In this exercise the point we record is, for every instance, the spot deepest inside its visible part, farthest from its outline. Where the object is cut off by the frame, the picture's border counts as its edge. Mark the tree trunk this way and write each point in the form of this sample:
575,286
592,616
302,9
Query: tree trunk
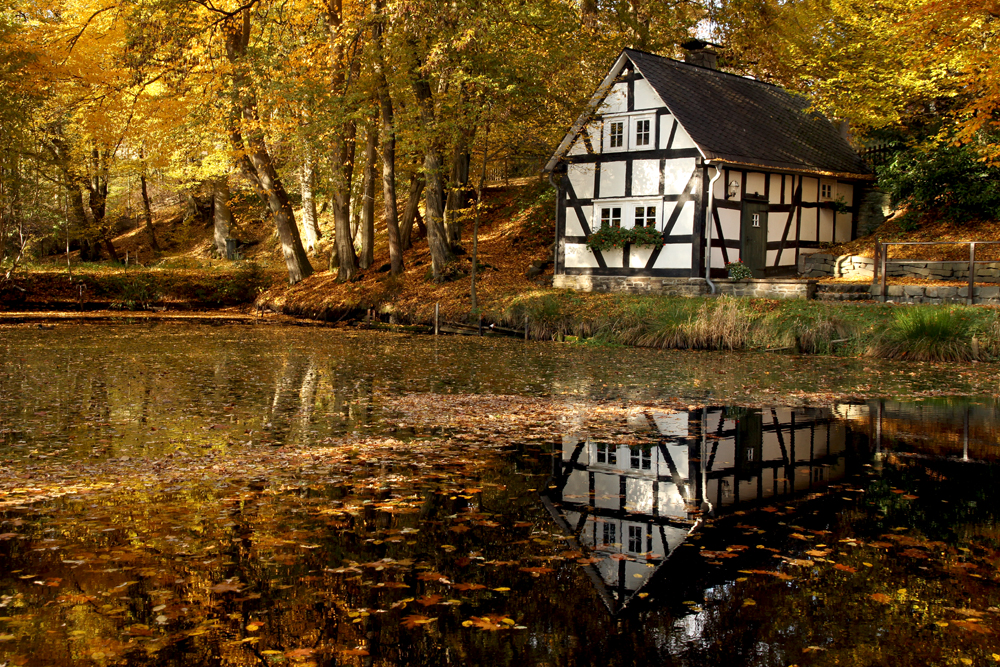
458,193
388,163
343,176
147,212
307,181
437,240
255,160
367,255
222,216
410,212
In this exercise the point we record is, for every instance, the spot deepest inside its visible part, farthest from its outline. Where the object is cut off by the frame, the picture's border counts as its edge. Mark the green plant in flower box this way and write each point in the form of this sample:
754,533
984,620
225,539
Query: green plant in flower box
608,237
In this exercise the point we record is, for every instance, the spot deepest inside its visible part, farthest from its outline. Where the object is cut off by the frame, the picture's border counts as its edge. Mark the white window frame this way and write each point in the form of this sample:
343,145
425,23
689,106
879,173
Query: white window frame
633,138
830,186
628,206
606,142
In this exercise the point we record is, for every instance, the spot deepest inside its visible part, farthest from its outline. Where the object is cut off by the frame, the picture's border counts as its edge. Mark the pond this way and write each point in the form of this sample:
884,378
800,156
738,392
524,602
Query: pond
236,495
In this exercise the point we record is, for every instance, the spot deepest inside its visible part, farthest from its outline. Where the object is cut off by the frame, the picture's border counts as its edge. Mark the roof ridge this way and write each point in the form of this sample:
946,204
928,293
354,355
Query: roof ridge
711,69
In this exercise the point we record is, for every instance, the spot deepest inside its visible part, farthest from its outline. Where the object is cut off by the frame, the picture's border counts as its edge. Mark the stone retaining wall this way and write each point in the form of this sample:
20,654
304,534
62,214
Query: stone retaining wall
984,295
767,288
821,265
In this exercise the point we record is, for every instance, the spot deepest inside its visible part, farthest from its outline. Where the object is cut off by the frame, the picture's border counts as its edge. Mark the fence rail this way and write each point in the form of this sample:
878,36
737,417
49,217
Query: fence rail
882,254
501,170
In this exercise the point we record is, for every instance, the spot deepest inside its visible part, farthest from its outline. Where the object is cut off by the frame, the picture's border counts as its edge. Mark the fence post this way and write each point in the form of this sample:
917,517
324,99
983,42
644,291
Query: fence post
525,327
875,273
437,313
885,251
972,273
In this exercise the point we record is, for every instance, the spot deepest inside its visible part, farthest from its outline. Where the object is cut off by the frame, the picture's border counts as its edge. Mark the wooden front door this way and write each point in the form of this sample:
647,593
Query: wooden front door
753,237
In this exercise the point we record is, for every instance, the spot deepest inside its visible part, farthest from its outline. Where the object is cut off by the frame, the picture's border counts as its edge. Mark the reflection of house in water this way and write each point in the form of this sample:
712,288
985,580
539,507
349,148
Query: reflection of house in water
629,503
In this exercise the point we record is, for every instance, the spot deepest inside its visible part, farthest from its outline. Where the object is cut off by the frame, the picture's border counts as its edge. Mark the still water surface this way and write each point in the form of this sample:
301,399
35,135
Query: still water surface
255,496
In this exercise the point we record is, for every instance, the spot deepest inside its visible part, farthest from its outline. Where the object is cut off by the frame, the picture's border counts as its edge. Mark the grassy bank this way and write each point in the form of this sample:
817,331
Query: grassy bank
923,333
101,286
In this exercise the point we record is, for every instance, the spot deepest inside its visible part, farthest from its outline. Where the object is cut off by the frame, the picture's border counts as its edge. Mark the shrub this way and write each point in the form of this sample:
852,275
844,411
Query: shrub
926,334
950,180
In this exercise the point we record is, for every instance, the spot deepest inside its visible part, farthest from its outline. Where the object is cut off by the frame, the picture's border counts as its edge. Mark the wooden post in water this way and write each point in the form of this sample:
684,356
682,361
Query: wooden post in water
972,273
525,327
480,325
885,251
437,313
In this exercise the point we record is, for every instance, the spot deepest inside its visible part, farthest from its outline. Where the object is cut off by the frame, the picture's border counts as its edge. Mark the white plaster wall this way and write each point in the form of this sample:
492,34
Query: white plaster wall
807,229
612,179
594,130
843,232
578,147
676,174
616,100
645,96
825,224
844,191
755,183
776,226
613,260
717,259
775,193
573,226
637,257
682,139
674,256
787,257
685,221
645,178
581,176
771,255
730,221
789,188
810,189
579,256
666,122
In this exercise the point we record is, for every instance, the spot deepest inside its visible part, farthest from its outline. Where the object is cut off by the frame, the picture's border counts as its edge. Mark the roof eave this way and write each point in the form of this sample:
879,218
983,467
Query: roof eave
588,114
846,175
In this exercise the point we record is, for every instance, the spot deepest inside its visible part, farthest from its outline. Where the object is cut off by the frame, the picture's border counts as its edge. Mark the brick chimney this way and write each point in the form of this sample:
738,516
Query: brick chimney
701,53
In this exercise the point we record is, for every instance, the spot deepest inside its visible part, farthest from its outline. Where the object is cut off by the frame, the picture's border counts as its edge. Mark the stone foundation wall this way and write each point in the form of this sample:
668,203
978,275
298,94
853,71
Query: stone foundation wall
985,295
820,265
768,288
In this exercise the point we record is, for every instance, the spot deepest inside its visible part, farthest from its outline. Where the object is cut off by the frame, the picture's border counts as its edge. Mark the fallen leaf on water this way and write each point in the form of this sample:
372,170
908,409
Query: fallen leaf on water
881,597
225,588
354,651
535,571
845,568
467,587
429,600
413,620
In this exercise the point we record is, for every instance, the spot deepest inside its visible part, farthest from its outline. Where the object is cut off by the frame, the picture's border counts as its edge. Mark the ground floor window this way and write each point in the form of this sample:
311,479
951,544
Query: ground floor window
628,214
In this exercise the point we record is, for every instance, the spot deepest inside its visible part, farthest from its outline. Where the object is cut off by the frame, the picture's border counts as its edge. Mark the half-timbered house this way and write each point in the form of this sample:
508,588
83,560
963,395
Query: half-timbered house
709,159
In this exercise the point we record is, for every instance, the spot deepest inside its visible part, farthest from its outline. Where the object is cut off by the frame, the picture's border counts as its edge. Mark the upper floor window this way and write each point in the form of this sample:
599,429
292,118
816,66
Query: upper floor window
642,132
640,458
616,134
635,535
826,191
611,216
607,453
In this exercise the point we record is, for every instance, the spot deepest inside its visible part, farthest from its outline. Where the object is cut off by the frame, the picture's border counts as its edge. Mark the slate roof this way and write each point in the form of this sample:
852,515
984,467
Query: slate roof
742,121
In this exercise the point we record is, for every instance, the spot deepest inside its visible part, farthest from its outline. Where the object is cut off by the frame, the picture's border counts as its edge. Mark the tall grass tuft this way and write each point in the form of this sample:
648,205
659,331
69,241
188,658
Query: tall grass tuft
926,334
